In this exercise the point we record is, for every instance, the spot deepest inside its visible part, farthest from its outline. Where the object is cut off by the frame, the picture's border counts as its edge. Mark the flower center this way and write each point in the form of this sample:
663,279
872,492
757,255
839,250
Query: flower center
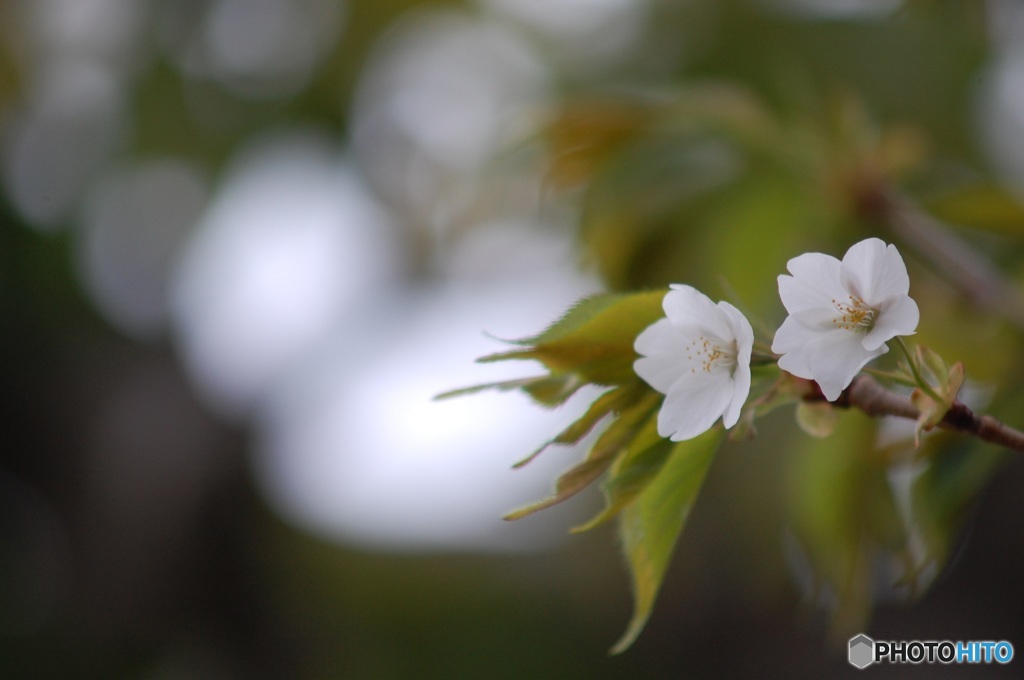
854,315
707,353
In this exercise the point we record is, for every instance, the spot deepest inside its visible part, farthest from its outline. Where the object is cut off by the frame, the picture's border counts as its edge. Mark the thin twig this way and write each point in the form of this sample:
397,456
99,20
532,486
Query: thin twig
866,394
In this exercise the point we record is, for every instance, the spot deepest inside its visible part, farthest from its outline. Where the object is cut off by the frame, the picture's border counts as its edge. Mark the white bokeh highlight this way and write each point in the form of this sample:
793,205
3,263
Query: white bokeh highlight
133,225
1000,114
291,241
55,142
442,96
355,447
255,49
579,35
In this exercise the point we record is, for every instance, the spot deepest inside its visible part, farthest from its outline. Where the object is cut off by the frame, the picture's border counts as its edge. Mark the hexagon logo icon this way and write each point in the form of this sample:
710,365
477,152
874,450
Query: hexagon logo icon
862,651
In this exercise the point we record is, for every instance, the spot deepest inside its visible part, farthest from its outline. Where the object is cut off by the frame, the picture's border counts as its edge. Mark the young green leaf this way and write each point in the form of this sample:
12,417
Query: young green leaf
614,400
547,390
608,446
632,472
650,525
594,339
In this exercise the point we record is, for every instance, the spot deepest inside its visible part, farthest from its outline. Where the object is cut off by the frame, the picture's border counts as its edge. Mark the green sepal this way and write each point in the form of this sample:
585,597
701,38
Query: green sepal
932,411
929,361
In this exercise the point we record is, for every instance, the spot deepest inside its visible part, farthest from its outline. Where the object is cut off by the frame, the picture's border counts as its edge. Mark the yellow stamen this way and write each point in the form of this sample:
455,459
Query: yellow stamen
854,314
710,353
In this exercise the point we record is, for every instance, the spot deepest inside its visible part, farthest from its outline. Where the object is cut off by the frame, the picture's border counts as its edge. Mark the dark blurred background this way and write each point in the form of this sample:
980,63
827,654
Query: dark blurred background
243,243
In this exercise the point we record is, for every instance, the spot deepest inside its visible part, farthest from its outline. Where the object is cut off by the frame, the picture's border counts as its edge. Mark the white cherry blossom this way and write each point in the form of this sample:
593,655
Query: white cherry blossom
699,358
841,314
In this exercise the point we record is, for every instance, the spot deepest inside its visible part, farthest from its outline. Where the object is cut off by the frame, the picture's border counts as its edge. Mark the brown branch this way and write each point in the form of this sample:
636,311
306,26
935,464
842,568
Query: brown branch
977,278
866,394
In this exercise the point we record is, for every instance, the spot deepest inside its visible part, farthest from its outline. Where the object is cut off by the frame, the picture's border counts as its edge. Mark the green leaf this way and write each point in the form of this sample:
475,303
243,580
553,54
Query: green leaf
609,318
553,390
613,401
594,339
609,445
549,390
632,472
650,525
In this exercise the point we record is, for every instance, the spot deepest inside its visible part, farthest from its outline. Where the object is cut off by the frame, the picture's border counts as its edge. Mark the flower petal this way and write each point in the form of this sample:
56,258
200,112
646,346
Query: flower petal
899,316
693,404
790,340
693,313
744,336
815,282
740,392
796,363
874,271
821,319
739,330
835,358
663,360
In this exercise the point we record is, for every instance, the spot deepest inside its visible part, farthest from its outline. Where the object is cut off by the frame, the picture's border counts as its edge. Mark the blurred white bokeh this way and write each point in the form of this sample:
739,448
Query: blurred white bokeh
580,35
133,225
442,98
79,59
257,49
303,303
356,447
95,30
291,312
290,242
59,138
1000,114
